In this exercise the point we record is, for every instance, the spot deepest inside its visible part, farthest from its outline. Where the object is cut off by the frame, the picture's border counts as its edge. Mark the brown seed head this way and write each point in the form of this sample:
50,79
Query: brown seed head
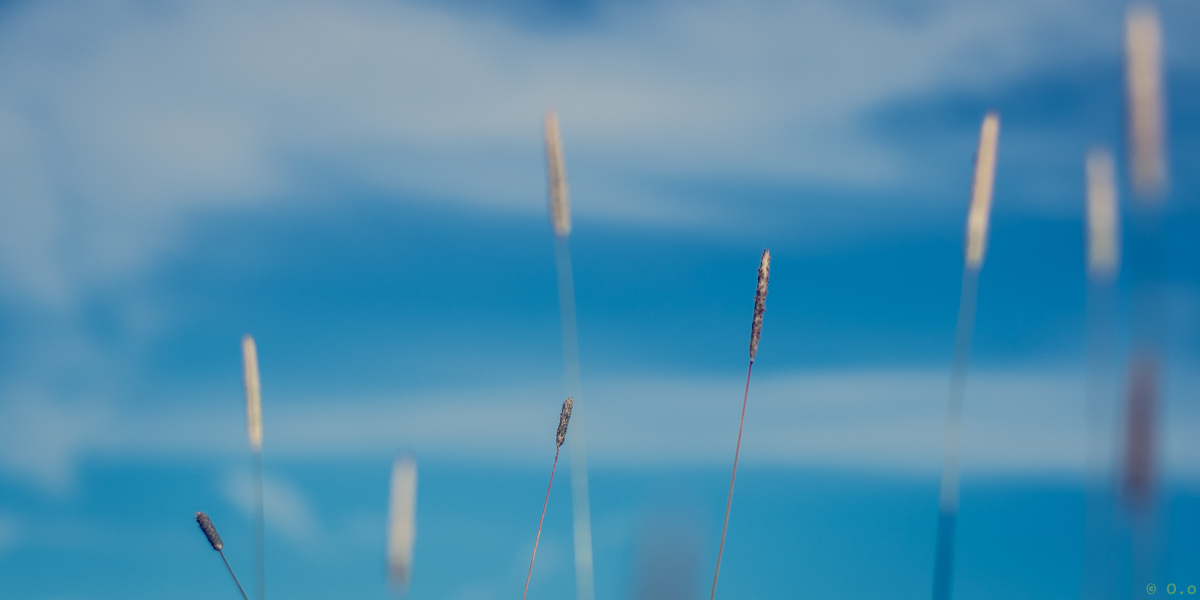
209,531
760,301
563,419
1140,432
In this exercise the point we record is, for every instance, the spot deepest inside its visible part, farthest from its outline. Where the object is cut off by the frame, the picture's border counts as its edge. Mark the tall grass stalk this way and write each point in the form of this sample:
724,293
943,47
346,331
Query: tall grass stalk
760,306
254,433
1145,103
975,248
563,419
214,539
1103,250
560,218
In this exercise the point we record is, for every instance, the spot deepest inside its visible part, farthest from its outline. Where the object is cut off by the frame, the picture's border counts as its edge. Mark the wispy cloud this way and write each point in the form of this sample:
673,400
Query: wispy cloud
42,438
887,420
284,505
119,121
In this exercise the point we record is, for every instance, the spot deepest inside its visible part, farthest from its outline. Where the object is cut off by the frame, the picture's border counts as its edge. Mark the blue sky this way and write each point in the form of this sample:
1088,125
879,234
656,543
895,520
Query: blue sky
360,185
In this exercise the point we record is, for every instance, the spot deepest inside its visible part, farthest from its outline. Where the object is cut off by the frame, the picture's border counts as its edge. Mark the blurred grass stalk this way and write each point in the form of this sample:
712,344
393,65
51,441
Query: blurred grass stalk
1103,251
402,521
1146,114
760,307
978,218
560,218
254,432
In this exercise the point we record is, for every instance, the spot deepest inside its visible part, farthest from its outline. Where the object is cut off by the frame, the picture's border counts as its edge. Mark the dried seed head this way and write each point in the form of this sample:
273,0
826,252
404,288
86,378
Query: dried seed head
1144,89
209,531
563,419
402,520
253,393
560,204
760,302
1103,227
1140,432
981,191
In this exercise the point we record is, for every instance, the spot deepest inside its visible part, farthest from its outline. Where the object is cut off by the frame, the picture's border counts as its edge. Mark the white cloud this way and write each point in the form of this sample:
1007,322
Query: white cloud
119,121
41,439
285,506
885,420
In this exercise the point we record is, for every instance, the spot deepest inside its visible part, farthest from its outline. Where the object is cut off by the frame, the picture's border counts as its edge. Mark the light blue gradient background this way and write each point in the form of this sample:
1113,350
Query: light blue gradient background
360,185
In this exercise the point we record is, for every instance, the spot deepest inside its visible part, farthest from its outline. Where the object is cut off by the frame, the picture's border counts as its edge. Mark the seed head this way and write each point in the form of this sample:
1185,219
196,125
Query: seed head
1147,111
210,532
563,419
760,302
1103,220
402,522
253,393
560,204
981,191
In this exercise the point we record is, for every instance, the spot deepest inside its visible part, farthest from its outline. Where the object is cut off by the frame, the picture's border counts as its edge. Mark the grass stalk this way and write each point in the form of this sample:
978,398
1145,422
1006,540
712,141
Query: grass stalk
1146,111
760,307
1103,263
563,419
214,539
560,218
975,248
254,433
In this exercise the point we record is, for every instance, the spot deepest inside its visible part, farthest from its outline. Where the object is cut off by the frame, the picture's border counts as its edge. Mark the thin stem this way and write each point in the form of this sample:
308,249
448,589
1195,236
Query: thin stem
1098,564
580,512
729,502
235,579
943,562
543,520
260,561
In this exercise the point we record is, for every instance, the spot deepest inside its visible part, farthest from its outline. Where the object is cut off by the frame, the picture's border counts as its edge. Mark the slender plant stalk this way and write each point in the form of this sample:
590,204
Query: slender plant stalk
560,219
943,569
214,539
1147,152
540,522
1146,111
760,307
235,579
260,560
254,433
563,419
732,478
978,218
1103,263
